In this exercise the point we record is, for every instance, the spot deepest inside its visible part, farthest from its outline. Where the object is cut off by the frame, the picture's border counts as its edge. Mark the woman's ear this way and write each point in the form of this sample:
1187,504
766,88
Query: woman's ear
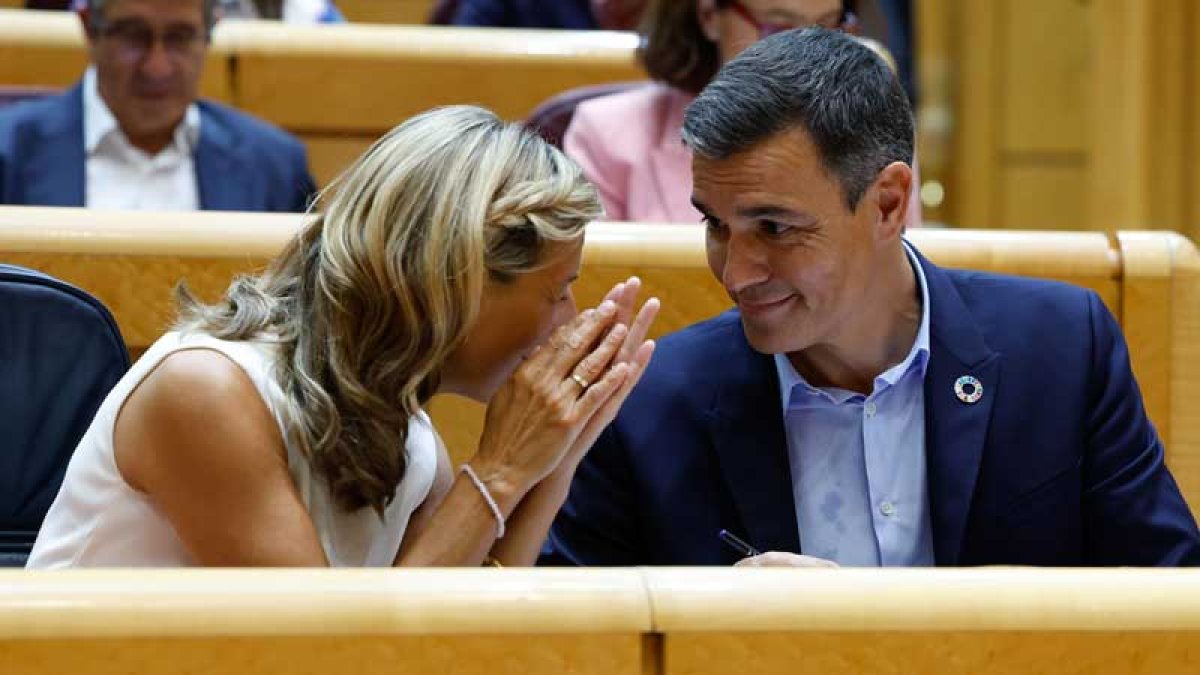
709,18
892,189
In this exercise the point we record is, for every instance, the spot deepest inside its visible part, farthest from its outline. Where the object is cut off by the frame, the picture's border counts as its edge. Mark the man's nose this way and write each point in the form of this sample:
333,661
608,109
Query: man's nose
745,264
157,61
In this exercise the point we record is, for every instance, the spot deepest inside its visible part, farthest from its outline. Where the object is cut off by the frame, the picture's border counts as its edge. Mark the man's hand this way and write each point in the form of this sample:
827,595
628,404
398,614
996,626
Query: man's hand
781,559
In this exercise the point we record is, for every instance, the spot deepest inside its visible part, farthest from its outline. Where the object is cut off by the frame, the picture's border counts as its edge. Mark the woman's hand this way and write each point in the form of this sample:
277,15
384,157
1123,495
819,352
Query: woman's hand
635,352
539,413
528,525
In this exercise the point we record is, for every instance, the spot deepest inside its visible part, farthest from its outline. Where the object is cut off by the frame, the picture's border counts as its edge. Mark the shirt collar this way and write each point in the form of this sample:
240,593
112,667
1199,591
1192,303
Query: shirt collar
917,358
98,120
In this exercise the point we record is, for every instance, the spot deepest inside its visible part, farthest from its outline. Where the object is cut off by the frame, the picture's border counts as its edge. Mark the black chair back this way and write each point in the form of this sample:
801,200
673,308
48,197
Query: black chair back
60,354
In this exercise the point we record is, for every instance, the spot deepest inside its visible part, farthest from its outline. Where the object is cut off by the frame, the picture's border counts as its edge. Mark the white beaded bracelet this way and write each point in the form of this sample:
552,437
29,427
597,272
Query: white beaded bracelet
487,497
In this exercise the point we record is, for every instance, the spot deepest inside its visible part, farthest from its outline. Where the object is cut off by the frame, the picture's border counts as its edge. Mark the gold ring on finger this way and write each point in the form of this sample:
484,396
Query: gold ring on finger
580,381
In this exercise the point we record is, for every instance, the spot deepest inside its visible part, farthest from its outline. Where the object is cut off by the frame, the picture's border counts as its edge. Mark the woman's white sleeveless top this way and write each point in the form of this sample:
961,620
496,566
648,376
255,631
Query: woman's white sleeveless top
98,520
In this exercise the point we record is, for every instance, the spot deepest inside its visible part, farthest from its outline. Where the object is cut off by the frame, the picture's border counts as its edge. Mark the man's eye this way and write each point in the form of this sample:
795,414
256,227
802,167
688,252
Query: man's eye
180,38
713,224
773,228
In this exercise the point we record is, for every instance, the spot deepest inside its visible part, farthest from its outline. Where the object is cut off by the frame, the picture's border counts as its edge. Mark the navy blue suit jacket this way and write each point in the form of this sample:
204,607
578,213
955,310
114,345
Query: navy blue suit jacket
570,14
1057,464
242,163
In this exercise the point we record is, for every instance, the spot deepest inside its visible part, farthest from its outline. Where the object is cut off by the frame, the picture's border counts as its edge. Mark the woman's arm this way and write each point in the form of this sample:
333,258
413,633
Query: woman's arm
196,437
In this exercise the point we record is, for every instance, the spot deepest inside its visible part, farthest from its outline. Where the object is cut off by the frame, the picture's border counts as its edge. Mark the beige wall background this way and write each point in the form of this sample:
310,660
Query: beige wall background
1067,114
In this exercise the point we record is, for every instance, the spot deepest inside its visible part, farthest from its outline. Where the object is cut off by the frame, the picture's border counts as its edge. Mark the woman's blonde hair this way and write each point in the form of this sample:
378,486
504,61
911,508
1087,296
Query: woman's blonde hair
385,282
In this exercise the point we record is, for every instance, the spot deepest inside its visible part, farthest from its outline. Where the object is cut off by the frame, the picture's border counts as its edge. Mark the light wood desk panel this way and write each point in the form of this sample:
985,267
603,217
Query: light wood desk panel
632,621
366,79
998,620
1150,281
386,11
250,622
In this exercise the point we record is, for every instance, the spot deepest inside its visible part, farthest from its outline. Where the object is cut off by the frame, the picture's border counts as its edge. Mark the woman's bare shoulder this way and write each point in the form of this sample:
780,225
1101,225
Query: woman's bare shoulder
195,401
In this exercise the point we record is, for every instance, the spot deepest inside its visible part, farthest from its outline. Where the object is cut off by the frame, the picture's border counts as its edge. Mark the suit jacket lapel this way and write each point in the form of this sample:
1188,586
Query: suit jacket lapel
54,173
220,177
955,431
747,432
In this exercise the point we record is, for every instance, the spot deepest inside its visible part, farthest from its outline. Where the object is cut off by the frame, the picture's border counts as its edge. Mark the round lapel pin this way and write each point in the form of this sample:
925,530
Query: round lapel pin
968,389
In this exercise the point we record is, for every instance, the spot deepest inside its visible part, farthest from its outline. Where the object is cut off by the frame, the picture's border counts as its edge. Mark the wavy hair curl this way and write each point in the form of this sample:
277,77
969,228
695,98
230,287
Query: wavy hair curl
385,282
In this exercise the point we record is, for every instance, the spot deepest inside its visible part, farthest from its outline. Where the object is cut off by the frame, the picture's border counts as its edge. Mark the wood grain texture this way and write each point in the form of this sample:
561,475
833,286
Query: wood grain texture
648,621
1045,58
997,620
1039,197
367,79
992,653
82,603
720,600
1183,452
331,154
1139,114
975,202
322,655
1147,317
386,11
1161,321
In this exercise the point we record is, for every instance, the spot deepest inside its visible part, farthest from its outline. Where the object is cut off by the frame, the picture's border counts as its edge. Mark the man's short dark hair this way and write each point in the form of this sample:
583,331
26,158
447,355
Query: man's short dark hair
96,12
841,93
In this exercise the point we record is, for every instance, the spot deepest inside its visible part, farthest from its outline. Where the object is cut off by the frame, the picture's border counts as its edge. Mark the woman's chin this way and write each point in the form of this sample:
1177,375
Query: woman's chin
483,392
482,387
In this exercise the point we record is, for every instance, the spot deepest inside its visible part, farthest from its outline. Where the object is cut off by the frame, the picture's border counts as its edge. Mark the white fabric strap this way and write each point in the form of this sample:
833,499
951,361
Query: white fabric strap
487,497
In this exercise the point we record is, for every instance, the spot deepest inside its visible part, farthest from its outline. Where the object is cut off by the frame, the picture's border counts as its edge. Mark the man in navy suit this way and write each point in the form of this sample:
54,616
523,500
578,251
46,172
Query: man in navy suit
860,405
132,134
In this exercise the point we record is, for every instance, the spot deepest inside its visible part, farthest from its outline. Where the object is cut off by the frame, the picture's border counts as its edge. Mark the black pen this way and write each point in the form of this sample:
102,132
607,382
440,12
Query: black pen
744,549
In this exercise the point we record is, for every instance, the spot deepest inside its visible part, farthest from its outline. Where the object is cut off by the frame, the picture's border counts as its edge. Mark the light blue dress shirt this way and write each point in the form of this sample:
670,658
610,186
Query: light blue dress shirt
858,463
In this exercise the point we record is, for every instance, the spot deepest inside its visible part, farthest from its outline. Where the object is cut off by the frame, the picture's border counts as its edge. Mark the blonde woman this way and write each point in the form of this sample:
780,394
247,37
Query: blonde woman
284,425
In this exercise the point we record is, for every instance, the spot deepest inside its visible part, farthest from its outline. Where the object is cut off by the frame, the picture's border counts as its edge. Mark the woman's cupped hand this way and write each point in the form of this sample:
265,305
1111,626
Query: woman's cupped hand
559,400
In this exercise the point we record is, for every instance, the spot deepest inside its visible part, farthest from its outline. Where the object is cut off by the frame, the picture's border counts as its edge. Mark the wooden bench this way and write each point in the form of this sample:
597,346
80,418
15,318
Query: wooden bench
983,621
340,87
1150,281
386,11
662,621
322,622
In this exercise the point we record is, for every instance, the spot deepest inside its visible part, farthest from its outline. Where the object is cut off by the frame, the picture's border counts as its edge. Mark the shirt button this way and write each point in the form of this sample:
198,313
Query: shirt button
870,409
887,508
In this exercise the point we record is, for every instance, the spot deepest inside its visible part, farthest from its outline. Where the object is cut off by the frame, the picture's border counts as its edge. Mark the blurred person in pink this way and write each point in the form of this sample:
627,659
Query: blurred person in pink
629,142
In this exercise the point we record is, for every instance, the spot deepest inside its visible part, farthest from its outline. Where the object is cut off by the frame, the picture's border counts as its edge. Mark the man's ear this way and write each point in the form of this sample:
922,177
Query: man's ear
708,18
892,189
